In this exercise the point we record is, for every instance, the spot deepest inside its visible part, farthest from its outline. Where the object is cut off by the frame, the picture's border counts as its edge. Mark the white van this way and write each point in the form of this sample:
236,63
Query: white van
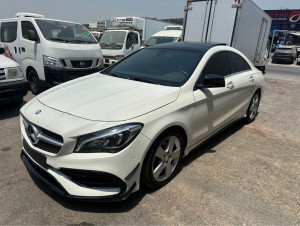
170,34
49,51
119,43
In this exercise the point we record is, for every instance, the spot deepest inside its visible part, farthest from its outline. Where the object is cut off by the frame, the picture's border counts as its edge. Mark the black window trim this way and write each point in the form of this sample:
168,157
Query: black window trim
227,76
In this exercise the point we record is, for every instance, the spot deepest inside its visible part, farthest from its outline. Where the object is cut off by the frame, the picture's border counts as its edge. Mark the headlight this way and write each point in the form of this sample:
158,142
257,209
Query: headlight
14,73
52,62
120,57
110,140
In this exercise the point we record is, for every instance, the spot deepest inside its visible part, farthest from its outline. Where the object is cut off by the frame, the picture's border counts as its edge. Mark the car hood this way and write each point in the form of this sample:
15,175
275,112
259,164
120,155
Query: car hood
105,98
6,62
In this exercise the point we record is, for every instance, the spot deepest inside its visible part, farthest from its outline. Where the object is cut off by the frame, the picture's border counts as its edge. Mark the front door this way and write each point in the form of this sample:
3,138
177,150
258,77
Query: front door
214,107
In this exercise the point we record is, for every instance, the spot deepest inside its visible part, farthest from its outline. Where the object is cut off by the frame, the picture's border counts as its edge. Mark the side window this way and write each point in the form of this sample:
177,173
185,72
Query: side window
238,63
26,26
218,64
135,38
9,31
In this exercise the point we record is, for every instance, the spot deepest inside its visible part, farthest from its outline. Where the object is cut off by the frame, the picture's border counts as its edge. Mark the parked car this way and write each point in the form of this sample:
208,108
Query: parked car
102,136
97,35
169,34
285,54
49,51
13,86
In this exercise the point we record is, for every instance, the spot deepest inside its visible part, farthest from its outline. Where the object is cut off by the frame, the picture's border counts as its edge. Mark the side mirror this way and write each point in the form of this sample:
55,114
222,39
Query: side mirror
2,50
32,36
212,81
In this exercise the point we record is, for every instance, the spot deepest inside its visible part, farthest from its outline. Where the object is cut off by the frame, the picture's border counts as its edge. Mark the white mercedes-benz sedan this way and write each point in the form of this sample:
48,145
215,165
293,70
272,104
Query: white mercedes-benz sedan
102,136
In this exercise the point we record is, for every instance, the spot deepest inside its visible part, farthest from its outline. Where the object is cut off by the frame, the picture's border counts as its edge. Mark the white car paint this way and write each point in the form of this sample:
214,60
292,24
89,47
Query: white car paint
6,62
98,102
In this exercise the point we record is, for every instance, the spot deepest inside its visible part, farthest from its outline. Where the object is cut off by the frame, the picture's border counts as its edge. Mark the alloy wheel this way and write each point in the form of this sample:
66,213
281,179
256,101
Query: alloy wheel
166,158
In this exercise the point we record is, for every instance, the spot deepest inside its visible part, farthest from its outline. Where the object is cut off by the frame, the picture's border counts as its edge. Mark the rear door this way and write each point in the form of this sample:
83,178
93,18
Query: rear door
10,39
196,20
221,21
244,82
210,21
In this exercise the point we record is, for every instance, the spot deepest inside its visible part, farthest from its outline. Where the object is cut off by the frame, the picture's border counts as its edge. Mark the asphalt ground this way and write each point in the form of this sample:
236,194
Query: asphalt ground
248,174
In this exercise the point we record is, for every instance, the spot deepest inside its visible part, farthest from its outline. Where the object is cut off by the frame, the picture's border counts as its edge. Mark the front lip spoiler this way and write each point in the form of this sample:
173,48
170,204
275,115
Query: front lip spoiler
58,189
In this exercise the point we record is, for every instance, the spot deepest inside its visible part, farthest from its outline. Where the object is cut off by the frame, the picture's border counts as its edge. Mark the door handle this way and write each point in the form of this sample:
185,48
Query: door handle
23,49
230,85
251,78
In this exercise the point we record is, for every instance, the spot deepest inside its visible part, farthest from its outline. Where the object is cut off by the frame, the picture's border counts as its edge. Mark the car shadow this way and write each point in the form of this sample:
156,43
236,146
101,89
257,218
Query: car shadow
135,198
10,110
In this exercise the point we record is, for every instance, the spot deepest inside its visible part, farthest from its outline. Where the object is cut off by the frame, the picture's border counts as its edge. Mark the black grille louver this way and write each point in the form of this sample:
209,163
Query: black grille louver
81,63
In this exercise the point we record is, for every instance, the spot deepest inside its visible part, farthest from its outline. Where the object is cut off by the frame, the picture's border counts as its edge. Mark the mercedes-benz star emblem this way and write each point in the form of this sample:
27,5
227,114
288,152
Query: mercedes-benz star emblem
82,64
33,134
38,112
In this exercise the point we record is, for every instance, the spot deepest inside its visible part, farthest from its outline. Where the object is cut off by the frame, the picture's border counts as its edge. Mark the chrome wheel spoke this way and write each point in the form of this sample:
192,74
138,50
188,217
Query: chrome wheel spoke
171,144
168,169
160,153
158,170
175,154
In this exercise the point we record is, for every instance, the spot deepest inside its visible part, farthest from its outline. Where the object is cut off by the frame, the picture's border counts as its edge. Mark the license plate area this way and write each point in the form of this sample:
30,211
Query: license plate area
36,156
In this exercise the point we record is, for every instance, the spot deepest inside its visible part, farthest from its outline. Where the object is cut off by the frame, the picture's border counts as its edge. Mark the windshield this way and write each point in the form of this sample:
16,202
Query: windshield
159,40
169,67
112,40
58,31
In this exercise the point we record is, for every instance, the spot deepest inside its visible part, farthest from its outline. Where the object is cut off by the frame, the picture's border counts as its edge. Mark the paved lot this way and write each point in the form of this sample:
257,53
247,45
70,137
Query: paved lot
249,174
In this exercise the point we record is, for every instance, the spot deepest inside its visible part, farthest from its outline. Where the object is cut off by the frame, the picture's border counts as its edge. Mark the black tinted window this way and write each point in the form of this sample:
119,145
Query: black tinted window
218,64
9,31
135,38
26,26
238,63
170,67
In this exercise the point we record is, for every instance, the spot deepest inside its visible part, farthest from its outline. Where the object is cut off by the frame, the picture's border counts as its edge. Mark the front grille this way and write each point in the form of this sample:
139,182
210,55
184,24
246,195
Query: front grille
2,74
81,63
42,138
48,147
52,135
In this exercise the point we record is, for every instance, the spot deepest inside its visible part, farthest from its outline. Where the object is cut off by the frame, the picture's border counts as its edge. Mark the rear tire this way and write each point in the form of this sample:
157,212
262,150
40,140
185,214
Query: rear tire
163,160
253,108
34,82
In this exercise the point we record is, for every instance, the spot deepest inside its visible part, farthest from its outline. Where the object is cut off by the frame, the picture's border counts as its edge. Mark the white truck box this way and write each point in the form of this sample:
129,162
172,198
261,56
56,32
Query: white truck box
238,23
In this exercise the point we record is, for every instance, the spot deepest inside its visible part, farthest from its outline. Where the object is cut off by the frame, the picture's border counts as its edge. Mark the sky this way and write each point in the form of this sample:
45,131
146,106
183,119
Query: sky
83,11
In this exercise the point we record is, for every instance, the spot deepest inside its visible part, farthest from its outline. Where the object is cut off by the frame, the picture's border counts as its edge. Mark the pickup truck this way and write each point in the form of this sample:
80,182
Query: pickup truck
13,86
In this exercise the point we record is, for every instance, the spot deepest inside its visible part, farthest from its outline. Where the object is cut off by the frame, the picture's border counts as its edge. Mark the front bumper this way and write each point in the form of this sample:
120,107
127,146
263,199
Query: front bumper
51,182
117,174
109,61
12,91
56,76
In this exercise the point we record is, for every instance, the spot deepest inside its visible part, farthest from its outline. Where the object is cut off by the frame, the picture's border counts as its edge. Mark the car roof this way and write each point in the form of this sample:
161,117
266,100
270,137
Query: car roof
194,46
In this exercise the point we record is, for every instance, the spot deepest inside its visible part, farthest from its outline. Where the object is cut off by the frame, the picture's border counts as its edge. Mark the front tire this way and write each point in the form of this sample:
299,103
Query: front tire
163,160
34,82
253,108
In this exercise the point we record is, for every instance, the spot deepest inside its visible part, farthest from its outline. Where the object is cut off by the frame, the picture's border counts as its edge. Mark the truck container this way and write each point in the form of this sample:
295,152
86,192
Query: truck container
238,23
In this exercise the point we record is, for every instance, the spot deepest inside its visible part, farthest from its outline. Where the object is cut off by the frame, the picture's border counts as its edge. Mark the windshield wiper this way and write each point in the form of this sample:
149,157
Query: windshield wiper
59,39
117,76
80,41
143,80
